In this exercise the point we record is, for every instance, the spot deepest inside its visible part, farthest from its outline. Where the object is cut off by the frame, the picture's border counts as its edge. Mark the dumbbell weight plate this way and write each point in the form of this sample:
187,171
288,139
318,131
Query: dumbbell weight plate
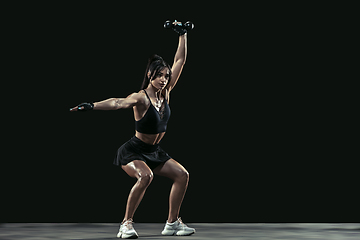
189,25
167,24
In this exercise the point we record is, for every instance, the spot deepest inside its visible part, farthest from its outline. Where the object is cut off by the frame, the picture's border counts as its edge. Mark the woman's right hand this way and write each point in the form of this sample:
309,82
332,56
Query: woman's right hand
75,109
83,107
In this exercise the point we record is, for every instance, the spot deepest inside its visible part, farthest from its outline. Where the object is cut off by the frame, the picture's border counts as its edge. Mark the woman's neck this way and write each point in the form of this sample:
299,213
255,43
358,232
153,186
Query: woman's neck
154,91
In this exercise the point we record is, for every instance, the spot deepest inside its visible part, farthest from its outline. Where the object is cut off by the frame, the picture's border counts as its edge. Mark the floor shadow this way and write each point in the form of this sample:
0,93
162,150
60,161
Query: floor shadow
150,236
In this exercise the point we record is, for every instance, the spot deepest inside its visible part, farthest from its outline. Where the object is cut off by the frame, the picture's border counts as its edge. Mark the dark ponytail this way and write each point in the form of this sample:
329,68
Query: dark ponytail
155,65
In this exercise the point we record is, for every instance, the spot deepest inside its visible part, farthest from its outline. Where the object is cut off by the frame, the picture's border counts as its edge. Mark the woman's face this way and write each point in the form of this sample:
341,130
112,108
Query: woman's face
161,79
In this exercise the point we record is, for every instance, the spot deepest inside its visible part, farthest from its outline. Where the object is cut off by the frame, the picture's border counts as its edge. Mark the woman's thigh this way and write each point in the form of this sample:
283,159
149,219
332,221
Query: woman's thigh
171,169
137,169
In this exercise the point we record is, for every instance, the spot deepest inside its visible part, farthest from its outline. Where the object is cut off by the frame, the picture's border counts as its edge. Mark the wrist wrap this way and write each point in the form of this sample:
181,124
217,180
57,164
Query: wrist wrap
87,106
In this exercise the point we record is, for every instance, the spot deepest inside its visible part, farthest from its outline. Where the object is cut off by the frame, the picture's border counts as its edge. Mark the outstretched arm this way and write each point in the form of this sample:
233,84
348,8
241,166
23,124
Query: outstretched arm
115,103
179,61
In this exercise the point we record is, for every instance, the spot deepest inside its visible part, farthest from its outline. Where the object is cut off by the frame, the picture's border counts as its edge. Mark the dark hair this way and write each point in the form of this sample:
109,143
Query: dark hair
155,65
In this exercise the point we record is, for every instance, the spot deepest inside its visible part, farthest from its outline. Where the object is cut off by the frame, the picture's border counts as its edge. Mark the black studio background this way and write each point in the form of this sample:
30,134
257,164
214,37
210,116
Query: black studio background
243,120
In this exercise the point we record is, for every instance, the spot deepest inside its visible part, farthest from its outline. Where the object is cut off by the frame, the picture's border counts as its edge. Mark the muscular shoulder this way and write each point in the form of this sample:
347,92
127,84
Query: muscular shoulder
140,97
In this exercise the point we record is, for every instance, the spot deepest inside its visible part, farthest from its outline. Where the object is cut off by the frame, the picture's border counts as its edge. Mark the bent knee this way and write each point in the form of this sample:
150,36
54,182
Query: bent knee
145,178
184,175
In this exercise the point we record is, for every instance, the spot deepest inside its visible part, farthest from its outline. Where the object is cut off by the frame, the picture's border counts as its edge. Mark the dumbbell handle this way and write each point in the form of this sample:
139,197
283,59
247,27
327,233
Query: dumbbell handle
178,26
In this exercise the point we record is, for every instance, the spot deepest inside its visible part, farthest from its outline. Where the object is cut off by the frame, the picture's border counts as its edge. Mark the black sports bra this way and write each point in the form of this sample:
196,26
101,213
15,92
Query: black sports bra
154,122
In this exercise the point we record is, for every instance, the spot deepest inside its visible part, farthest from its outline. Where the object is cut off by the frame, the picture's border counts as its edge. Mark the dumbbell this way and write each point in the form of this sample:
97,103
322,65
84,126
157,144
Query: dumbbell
180,28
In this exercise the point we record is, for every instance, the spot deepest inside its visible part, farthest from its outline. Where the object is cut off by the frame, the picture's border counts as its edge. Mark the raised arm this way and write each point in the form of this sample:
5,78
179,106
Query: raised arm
114,103
179,61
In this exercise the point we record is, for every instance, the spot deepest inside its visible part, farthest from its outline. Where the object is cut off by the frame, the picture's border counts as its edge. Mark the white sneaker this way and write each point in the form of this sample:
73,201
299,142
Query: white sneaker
127,230
177,228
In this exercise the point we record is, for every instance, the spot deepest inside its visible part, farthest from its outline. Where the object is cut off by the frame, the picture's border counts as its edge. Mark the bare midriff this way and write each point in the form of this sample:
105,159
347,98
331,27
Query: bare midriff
151,139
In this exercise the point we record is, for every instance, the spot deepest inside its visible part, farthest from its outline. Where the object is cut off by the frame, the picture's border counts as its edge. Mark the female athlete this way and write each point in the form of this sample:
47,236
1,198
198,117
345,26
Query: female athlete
141,157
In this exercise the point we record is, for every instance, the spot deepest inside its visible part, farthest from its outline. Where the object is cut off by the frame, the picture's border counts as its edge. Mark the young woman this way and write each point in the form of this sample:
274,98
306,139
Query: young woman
141,157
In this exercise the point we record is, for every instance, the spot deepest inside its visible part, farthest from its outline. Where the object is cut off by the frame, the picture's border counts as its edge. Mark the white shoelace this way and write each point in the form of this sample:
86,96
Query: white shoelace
128,223
181,222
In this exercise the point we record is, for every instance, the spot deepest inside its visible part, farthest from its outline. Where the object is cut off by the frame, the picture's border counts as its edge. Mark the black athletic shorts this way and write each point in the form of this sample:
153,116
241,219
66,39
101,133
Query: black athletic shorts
135,149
